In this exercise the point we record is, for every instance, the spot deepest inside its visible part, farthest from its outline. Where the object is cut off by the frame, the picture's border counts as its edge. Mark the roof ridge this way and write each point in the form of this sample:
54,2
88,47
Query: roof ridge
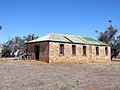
67,38
50,36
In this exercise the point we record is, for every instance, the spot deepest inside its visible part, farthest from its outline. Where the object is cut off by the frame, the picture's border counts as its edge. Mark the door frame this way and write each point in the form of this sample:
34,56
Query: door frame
37,52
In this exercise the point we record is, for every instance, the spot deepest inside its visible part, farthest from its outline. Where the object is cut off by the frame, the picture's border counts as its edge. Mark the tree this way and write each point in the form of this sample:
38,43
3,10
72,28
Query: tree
16,43
1,39
0,27
108,37
30,37
117,44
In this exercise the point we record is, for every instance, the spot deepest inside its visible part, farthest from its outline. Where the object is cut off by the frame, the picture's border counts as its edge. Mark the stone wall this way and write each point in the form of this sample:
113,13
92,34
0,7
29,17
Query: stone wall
102,57
49,52
55,57
43,50
31,49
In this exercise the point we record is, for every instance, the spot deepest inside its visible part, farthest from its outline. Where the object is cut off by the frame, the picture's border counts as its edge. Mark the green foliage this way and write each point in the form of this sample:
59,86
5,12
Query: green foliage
64,88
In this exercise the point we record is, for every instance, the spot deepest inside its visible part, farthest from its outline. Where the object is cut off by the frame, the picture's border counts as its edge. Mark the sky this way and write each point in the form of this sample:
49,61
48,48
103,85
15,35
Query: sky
79,17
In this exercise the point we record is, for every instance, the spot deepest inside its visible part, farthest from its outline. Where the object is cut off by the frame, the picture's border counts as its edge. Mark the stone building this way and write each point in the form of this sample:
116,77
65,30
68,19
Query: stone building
57,48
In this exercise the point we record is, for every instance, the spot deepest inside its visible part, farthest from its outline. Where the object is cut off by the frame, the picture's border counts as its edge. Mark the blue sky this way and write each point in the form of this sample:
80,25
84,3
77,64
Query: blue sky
81,17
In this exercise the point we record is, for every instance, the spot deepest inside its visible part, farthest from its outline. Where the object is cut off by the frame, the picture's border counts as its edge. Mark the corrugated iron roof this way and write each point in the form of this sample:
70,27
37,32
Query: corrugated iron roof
68,38
93,41
52,37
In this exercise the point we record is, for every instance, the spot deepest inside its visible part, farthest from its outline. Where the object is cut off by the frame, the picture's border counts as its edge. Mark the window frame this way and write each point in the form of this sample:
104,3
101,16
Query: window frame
73,49
84,51
61,49
97,51
106,52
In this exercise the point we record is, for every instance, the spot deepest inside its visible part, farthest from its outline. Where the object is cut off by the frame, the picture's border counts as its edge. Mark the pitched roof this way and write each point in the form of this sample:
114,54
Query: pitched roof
68,38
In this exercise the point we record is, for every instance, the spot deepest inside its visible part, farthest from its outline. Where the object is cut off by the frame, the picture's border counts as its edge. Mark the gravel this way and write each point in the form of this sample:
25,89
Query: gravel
32,75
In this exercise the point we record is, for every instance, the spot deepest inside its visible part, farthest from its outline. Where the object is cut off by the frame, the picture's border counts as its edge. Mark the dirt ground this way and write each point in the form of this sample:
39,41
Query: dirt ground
26,75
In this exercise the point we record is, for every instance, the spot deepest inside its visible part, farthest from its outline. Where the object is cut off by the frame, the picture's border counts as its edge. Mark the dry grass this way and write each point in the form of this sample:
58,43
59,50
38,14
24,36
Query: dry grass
34,75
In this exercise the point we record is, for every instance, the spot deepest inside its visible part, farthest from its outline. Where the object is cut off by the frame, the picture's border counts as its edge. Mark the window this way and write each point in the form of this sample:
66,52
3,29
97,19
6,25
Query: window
84,50
73,49
106,50
97,50
61,49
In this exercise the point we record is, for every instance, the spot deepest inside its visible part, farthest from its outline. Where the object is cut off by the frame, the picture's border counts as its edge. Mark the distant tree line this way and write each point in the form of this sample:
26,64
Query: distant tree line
109,37
15,43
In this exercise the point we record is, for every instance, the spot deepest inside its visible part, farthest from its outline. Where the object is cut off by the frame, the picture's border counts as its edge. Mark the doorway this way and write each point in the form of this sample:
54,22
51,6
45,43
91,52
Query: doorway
37,49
